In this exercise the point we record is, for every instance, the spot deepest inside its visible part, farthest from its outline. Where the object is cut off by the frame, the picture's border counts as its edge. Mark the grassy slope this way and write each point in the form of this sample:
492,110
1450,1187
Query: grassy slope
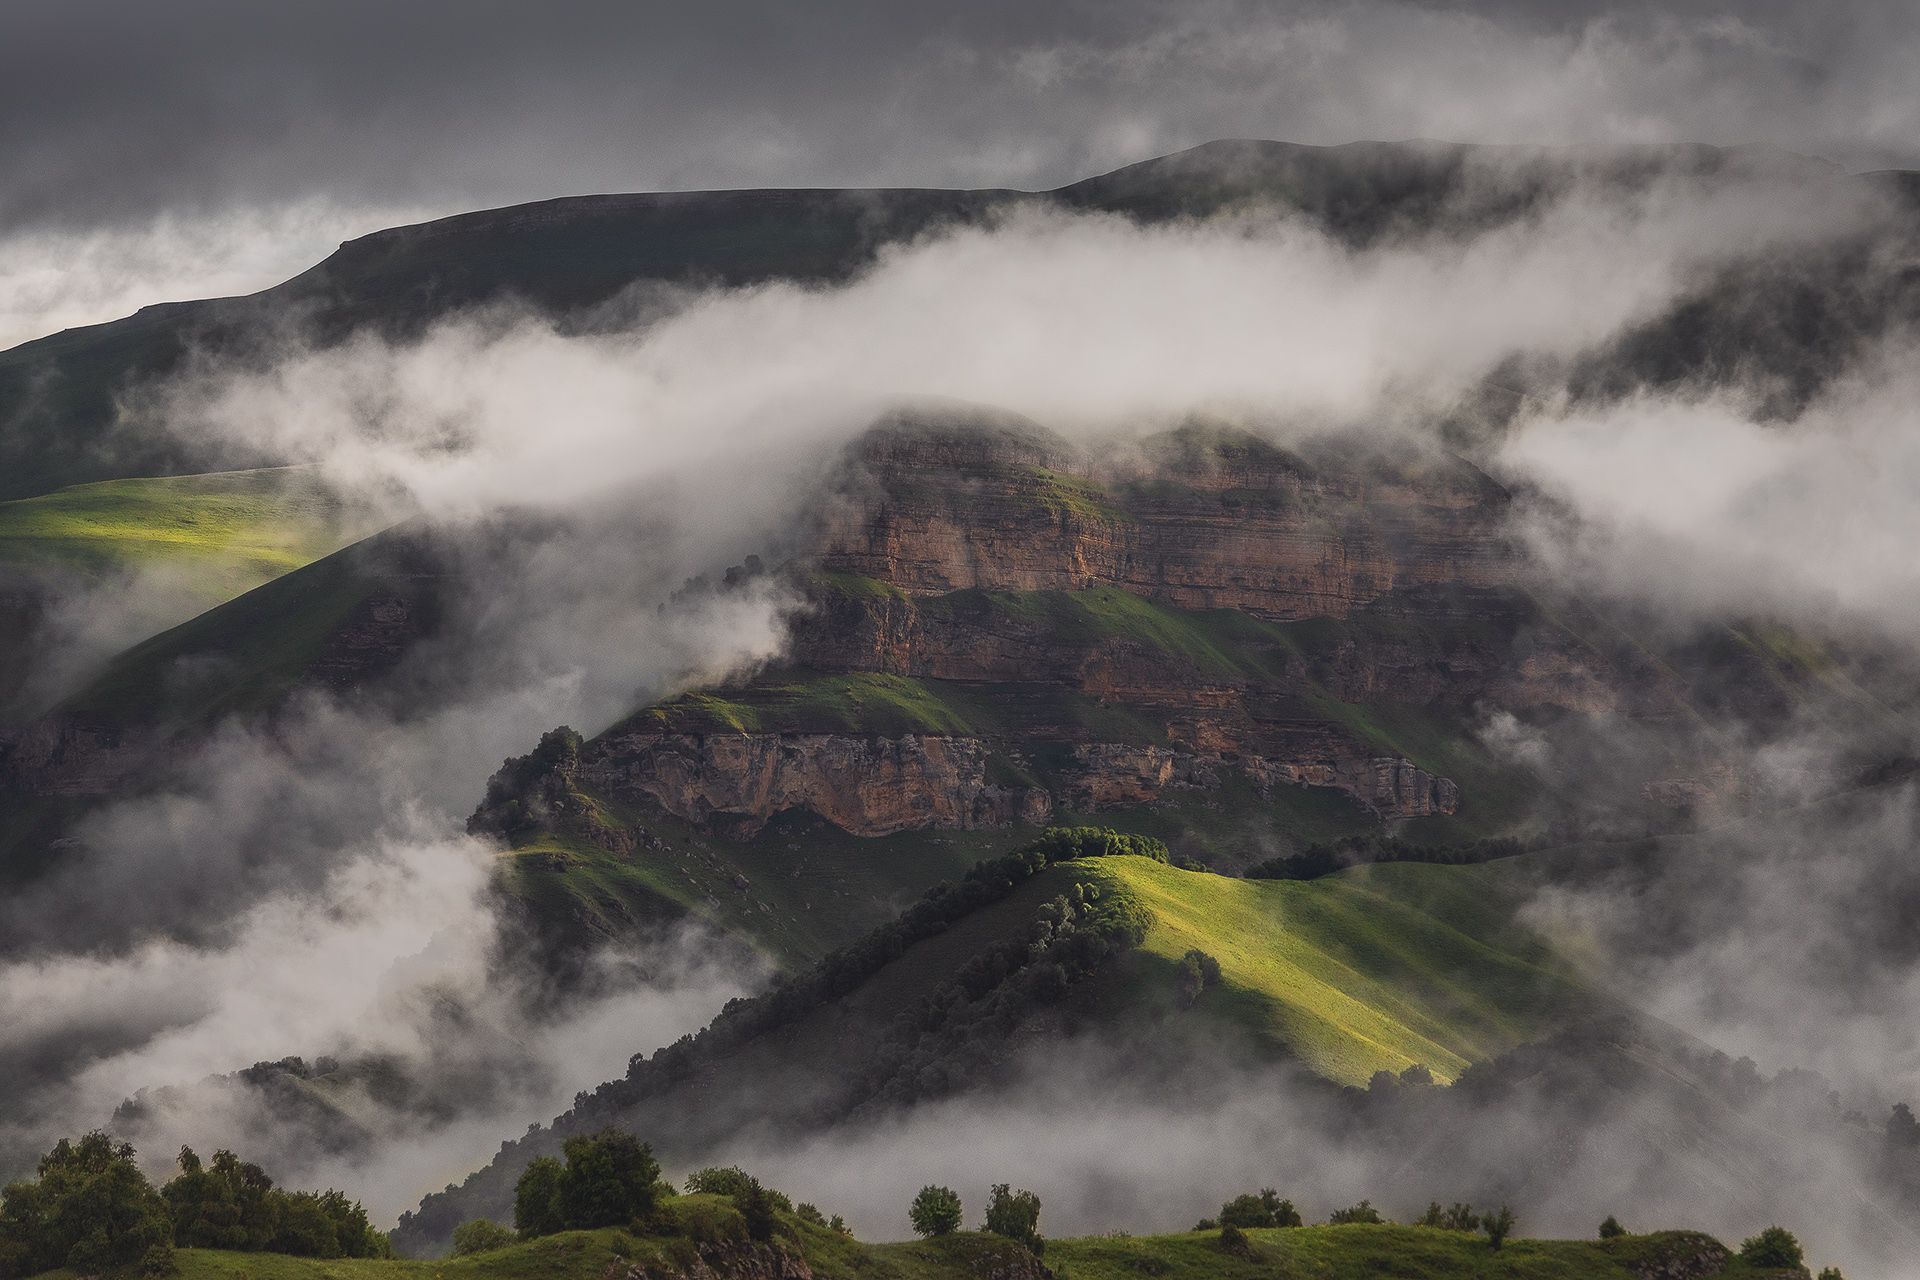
222,534
1373,969
253,648
1338,1253
812,887
1306,1253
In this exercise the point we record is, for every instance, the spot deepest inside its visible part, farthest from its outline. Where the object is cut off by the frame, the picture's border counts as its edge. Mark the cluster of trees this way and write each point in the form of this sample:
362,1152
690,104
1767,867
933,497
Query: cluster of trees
1265,1209
937,1211
90,1209
611,1179
948,1036
608,1179
1318,860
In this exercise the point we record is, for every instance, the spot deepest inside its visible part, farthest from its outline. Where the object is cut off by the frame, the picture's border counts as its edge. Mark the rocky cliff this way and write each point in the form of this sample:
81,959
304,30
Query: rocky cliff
1000,630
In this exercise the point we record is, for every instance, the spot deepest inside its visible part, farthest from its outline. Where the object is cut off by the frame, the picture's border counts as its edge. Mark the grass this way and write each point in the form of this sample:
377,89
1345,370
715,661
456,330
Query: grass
221,534
1373,969
1302,1253
1357,1251
857,702
798,903
244,654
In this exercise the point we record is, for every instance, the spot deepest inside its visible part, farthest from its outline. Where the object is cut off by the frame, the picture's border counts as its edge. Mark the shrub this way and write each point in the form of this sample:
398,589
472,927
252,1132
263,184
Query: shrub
1460,1217
1265,1209
839,1224
1774,1247
935,1211
1198,971
1611,1229
1062,844
1362,1212
733,1182
478,1236
1015,1215
1830,1273
809,1214
1233,1240
1498,1226
1417,1074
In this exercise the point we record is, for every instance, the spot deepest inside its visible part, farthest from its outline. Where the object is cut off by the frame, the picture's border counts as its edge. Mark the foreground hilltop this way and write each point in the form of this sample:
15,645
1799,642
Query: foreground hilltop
816,1253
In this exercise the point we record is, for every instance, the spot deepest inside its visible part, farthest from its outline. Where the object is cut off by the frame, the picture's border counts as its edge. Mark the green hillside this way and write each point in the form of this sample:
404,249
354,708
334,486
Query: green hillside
1375,968
222,533
1302,1253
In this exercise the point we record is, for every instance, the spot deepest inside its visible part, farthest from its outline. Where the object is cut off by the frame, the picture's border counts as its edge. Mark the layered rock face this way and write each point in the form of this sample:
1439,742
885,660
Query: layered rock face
1193,522
1103,637
869,786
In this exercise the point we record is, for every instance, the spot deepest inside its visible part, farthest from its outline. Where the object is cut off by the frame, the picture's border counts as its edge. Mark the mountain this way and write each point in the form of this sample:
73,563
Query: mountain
1067,755
73,409
1242,649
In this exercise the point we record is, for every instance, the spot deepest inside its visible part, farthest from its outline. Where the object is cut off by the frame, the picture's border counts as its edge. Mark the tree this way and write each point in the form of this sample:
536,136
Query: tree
810,1214
1015,1215
1362,1212
228,1204
1611,1228
610,1179
536,1198
756,1205
935,1211
1460,1217
1903,1131
478,1236
1498,1226
1198,971
1417,1074
1266,1209
90,1210
1774,1247
1830,1273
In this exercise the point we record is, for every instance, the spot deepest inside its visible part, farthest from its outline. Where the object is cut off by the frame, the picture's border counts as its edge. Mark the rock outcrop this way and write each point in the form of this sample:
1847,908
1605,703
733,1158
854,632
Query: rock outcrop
736,782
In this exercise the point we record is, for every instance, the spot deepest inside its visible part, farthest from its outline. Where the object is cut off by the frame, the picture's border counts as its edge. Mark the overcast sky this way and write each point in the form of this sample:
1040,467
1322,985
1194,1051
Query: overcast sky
201,146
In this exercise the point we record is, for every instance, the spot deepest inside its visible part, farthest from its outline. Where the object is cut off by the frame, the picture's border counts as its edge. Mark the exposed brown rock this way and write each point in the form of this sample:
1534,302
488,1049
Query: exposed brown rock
869,786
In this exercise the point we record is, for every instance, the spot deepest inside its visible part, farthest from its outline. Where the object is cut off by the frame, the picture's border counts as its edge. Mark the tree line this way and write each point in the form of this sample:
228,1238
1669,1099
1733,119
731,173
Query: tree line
89,1208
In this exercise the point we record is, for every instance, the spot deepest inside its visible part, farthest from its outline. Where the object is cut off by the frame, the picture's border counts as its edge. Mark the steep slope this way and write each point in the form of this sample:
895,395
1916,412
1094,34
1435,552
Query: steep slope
340,623
189,542
1084,934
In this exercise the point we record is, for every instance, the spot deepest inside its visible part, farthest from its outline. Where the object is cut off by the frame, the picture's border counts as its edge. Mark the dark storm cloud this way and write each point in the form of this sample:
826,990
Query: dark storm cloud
113,111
